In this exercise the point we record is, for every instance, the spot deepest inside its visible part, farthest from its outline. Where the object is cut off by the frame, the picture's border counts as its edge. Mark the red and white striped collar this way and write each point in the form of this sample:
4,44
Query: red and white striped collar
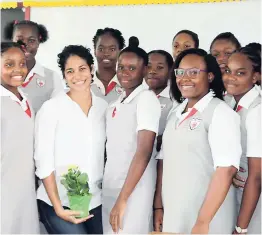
199,106
100,85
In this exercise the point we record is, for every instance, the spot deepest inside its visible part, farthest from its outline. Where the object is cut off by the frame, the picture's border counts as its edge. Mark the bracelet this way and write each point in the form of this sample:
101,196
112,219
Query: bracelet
159,208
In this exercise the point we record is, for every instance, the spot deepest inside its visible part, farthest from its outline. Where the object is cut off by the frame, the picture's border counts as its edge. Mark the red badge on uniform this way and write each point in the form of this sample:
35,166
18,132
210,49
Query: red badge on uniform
40,82
194,123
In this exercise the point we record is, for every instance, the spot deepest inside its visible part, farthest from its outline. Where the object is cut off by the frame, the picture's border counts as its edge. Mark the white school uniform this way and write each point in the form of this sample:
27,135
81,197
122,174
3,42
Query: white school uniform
18,197
194,145
41,84
249,109
139,111
109,94
65,136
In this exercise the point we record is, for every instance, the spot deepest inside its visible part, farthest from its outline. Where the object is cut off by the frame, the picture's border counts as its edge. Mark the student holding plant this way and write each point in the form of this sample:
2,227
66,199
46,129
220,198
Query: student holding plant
70,129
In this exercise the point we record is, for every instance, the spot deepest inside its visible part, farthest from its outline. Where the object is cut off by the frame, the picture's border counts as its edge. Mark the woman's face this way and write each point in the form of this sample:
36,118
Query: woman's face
14,69
130,70
29,35
221,50
195,82
77,73
239,76
106,51
182,41
158,71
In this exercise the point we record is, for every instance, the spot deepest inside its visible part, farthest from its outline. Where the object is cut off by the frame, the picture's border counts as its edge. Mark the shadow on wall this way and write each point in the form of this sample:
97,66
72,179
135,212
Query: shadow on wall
8,15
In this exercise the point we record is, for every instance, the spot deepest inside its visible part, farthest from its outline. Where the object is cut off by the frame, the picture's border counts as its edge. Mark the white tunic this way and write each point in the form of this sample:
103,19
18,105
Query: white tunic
139,111
249,109
65,136
41,84
18,197
194,145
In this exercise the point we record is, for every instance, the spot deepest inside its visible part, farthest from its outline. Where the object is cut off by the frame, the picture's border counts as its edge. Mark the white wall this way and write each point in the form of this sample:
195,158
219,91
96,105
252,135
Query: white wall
154,25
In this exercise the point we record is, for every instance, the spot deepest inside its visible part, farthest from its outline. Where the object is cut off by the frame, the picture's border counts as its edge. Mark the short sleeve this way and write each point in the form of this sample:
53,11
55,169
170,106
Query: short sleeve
58,84
160,155
45,128
148,112
224,137
253,127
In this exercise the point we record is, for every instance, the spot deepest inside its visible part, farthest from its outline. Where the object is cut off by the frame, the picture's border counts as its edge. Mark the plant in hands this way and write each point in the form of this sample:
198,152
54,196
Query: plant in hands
76,184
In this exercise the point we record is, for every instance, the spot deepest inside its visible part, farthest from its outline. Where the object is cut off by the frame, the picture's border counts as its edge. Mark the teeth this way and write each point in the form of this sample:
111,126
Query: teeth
79,82
187,87
17,77
106,61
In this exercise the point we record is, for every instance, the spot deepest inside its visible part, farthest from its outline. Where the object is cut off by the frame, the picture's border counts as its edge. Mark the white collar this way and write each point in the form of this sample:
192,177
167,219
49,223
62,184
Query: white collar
101,86
130,97
199,106
164,93
5,92
249,97
98,82
37,69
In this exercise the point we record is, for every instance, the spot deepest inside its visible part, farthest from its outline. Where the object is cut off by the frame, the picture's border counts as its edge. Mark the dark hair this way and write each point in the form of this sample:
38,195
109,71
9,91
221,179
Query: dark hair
193,35
212,66
5,46
253,56
72,50
12,26
228,36
169,58
115,33
133,47
255,46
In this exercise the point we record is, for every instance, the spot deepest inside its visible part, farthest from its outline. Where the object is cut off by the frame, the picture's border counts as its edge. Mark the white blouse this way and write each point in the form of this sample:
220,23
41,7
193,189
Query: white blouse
65,136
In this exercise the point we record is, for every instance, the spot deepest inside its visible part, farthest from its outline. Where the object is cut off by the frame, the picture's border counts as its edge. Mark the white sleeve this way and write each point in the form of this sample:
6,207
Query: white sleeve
148,112
224,137
45,128
58,84
253,127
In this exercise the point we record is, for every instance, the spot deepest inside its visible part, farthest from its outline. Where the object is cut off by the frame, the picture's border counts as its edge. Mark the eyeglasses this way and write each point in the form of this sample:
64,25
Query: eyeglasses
193,73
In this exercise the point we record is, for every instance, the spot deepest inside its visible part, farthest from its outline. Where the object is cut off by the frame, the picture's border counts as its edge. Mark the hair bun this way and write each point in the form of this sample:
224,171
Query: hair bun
133,42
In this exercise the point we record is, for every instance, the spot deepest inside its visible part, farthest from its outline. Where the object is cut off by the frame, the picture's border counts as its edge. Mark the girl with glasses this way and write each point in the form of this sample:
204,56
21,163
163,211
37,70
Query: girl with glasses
199,160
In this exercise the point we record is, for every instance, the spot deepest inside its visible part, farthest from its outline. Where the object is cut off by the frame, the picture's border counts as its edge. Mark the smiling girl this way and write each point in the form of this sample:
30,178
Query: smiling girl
132,125
18,197
41,83
199,159
241,74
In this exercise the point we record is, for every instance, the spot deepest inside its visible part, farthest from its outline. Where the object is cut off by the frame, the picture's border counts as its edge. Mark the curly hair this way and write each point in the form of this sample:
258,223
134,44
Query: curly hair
72,50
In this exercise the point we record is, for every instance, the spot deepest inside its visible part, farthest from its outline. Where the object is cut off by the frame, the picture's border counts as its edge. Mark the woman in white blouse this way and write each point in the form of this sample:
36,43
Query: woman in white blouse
70,130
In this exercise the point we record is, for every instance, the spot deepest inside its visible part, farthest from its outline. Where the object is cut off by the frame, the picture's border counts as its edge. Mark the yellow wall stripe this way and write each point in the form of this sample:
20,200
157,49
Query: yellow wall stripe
61,3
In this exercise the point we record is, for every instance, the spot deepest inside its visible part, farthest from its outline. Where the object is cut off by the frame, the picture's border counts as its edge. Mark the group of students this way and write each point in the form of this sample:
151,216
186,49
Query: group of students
169,143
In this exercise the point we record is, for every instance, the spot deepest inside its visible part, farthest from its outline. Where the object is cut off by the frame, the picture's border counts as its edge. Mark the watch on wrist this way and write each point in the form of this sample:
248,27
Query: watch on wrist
241,230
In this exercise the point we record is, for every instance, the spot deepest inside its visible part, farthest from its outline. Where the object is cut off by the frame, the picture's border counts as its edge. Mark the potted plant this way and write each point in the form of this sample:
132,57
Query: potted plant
76,184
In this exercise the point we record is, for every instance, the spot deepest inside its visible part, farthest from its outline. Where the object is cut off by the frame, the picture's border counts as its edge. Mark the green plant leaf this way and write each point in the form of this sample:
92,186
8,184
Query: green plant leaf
83,178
